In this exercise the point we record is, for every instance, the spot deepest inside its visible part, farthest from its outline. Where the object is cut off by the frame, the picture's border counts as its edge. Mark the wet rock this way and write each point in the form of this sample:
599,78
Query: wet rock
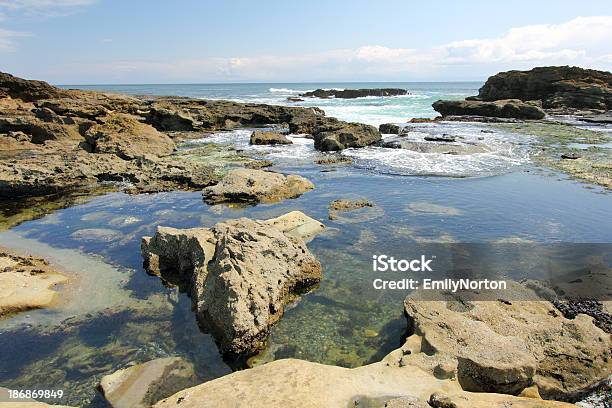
26,282
440,138
259,137
240,274
505,347
334,159
354,93
421,120
125,136
254,186
570,156
294,99
350,211
348,135
507,108
389,128
258,164
556,87
144,384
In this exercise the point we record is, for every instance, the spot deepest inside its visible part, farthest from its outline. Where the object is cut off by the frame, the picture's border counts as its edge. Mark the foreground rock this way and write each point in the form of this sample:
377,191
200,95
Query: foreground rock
507,108
556,87
254,186
345,135
142,385
295,383
240,274
259,137
506,346
354,93
26,282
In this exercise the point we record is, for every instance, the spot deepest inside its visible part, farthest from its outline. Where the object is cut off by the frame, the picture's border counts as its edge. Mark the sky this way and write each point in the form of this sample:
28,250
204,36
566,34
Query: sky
191,41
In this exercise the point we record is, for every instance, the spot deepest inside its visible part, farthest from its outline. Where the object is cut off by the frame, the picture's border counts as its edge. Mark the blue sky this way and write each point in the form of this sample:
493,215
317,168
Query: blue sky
112,41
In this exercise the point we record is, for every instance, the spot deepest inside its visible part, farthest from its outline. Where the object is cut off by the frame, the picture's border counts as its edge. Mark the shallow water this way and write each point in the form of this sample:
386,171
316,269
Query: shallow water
498,195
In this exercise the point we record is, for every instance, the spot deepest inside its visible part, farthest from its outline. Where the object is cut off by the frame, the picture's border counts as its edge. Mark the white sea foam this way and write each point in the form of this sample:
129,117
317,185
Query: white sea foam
286,91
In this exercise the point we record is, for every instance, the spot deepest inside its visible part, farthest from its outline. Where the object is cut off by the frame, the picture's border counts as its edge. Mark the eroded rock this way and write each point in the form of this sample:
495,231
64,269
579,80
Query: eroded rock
240,273
344,136
254,186
259,137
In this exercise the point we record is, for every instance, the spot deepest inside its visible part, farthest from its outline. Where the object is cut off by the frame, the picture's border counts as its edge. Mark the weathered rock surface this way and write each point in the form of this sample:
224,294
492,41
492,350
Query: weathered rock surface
507,108
345,135
254,186
295,383
556,87
142,385
506,346
351,211
26,282
240,274
389,128
354,93
333,159
28,91
259,137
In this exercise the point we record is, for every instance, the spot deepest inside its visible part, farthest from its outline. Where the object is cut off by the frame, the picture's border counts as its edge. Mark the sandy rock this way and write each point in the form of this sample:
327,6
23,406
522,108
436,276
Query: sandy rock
507,108
240,273
259,137
125,136
253,186
144,384
26,282
295,383
508,346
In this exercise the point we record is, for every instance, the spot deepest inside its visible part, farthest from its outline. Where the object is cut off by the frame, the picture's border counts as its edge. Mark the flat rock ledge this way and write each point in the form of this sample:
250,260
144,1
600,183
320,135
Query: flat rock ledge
142,385
254,186
294,383
26,282
507,346
354,93
507,108
240,273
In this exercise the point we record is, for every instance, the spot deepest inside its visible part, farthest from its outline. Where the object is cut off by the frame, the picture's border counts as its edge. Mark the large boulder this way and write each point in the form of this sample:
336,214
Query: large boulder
345,136
505,346
259,137
555,86
254,186
142,385
389,128
508,108
240,274
125,136
354,93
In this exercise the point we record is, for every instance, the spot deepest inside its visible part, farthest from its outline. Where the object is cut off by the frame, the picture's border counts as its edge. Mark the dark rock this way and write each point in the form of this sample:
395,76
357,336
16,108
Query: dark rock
349,135
570,156
389,128
511,108
355,93
562,86
294,99
28,90
442,138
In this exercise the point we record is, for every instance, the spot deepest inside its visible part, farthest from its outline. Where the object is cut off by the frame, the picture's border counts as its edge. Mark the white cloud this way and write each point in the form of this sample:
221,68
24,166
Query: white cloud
41,8
7,37
583,41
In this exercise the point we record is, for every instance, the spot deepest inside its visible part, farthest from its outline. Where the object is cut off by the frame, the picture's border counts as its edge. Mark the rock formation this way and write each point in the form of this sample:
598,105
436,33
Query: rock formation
240,273
507,108
354,93
25,282
142,385
389,128
345,135
259,137
254,186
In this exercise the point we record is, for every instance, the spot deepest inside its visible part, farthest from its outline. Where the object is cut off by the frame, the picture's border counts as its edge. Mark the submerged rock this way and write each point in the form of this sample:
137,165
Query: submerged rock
26,282
506,346
351,211
254,186
142,385
240,273
259,137
354,93
507,108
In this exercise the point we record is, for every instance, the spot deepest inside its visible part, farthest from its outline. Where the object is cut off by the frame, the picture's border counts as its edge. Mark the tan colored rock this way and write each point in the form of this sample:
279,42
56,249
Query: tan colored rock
142,385
508,346
296,383
26,282
351,211
260,137
240,273
254,186
125,136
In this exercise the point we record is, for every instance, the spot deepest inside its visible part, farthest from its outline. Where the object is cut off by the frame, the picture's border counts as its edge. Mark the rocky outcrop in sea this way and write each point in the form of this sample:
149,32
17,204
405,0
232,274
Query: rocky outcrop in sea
354,93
